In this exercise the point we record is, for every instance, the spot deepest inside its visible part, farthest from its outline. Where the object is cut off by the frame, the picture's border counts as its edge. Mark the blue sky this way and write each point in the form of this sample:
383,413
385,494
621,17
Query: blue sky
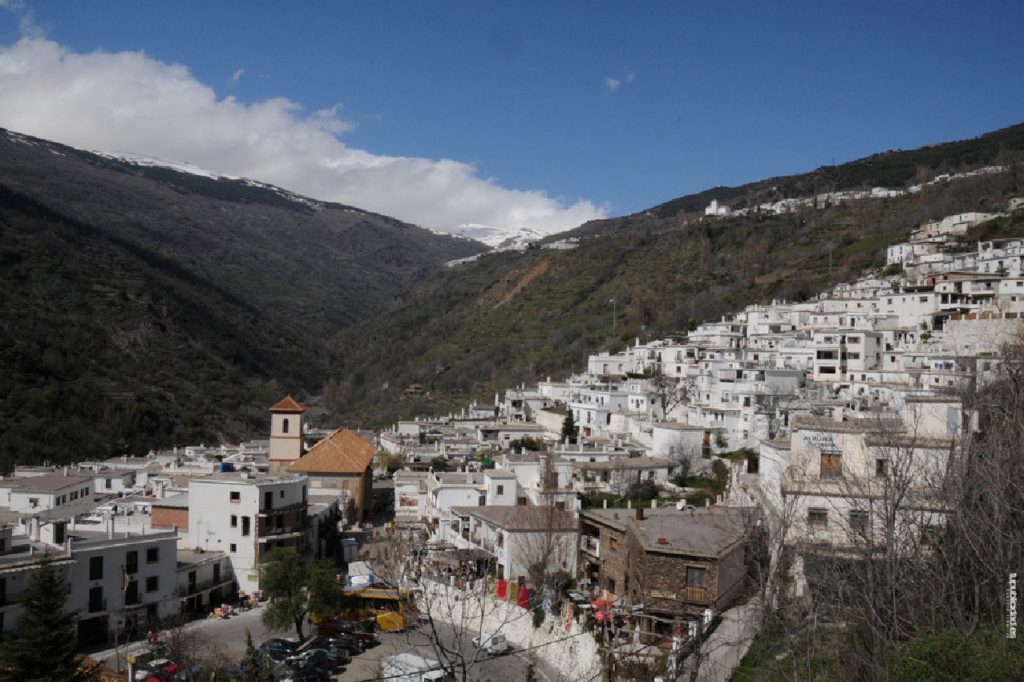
519,113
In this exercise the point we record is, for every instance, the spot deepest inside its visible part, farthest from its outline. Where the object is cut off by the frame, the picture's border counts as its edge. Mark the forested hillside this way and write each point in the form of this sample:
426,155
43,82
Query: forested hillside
518,317
142,307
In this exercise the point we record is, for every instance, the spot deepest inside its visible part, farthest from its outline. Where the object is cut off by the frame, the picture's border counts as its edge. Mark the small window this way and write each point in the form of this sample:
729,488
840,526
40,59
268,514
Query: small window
131,562
235,497
152,555
501,490
245,525
280,493
96,568
858,522
152,583
817,517
232,548
881,468
695,577
234,521
284,425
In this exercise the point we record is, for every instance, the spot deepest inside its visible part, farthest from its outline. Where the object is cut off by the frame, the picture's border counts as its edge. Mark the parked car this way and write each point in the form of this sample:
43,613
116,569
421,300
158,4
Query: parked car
351,628
341,653
320,657
493,643
346,642
302,670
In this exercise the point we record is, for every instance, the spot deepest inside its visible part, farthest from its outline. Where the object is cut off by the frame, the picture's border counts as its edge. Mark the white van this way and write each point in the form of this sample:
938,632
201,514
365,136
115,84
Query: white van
493,643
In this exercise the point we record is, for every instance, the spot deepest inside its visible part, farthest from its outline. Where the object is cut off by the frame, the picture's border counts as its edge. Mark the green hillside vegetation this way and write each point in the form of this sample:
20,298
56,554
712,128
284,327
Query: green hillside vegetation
142,307
518,317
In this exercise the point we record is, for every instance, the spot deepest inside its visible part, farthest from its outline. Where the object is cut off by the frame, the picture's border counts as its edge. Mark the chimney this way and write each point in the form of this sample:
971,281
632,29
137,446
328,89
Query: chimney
639,513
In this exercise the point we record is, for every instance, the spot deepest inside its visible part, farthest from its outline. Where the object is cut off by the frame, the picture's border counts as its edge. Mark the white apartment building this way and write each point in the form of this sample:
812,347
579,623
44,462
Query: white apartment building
246,515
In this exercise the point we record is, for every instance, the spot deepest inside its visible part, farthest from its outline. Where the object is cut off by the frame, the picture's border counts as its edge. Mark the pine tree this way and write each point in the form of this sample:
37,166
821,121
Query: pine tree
569,427
42,645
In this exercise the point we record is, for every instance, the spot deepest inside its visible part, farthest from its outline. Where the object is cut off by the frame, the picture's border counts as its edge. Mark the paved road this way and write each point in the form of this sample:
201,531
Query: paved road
227,638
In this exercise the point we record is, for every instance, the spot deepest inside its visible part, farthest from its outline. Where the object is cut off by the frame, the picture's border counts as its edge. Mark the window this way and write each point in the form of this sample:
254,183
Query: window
131,595
831,465
858,522
501,540
96,568
245,525
303,493
152,583
234,497
232,548
131,562
280,493
881,468
108,483
234,521
216,573
284,425
817,517
33,501
95,599
694,577
501,490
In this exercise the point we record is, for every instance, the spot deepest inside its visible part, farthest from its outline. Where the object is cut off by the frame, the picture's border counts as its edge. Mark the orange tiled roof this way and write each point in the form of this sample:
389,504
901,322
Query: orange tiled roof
342,452
288,404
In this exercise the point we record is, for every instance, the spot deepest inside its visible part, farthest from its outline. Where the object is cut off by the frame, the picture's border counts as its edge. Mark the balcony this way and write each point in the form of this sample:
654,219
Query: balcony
696,594
590,545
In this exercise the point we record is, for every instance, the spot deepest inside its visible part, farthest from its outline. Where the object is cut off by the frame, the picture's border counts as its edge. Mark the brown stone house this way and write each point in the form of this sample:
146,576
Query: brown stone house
676,563
342,460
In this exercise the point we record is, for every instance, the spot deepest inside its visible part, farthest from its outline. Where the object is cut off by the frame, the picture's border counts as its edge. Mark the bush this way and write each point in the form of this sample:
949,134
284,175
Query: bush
948,655
644,490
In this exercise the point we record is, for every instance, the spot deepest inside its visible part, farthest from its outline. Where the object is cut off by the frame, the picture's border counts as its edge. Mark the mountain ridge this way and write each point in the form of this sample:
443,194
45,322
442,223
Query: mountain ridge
145,307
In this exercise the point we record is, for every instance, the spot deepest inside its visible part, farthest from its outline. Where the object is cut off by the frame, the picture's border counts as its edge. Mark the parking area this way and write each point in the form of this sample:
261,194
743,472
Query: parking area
227,637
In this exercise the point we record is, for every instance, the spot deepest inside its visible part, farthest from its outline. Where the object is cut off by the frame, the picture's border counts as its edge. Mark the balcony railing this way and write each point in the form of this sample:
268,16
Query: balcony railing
698,594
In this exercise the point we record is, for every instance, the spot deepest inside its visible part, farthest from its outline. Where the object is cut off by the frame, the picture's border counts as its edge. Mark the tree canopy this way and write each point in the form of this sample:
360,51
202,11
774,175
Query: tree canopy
43,644
296,586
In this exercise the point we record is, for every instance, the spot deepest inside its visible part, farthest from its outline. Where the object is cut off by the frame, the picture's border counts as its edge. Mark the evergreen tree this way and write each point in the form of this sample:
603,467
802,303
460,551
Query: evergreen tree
569,427
42,646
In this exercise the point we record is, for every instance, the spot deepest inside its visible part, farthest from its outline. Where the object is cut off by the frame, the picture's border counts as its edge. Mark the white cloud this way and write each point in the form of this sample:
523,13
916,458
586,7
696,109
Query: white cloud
27,26
613,84
129,102
237,75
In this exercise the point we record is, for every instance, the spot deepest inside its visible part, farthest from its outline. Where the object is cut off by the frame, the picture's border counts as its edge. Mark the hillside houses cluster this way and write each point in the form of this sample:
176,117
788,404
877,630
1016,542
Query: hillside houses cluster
143,539
817,407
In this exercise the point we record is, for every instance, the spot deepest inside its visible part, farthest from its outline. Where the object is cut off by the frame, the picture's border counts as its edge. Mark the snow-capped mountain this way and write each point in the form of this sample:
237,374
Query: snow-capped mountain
498,238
